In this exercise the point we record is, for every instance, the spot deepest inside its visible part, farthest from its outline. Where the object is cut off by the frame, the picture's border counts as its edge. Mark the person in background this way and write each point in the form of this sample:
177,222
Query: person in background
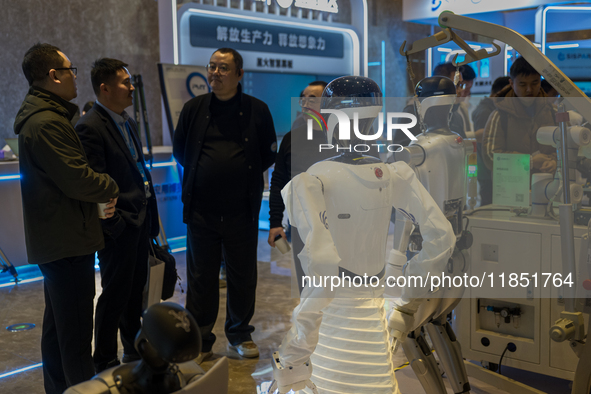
459,120
519,113
305,154
301,117
464,91
225,140
60,192
112,145
87,107
479,117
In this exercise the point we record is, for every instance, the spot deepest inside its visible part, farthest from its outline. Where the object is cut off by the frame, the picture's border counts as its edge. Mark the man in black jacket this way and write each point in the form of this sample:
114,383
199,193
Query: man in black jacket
60,193
225,140
112,145
305,153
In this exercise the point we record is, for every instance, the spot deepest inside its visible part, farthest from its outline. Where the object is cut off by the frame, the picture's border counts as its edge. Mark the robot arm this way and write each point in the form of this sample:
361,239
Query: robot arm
305,205
438,236
413,200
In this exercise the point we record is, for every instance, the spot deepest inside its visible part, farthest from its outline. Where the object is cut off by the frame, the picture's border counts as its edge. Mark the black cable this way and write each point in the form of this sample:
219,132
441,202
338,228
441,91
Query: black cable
467,223
501,359
510,347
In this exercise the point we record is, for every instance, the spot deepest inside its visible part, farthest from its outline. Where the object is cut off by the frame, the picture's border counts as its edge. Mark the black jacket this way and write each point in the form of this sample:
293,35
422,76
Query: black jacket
59,189
296,155
258,136
107,152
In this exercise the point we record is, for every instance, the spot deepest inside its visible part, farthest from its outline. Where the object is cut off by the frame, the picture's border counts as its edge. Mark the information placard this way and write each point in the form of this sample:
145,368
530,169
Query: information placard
511,179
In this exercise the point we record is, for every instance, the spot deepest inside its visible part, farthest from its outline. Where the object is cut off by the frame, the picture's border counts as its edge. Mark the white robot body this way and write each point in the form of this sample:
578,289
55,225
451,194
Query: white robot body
439,159
342,209
358,221
443,171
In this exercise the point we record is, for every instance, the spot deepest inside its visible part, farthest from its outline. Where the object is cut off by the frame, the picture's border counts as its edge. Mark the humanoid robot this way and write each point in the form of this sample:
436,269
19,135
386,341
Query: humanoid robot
339,341
167,342
438,157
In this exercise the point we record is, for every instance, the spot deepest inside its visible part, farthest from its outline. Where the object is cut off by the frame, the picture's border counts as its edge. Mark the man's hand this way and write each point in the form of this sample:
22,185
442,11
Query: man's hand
549,166
110,209
540,160
273,233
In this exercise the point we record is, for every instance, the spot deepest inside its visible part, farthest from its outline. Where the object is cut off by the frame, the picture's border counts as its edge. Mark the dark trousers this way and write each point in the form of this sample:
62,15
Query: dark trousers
207,235
67,322
124,272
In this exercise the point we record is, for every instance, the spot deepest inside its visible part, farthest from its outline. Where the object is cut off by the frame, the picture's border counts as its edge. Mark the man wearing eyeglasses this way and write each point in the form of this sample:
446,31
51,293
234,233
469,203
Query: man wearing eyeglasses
304,154
225,140
60,193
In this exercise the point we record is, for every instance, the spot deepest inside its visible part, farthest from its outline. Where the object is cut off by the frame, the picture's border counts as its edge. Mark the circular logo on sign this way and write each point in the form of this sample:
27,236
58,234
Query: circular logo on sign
285,3
197,84
561,56
379,173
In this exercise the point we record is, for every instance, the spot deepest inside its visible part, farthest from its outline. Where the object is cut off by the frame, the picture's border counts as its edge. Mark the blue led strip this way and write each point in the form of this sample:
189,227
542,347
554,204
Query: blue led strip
155,165
9,177
7,374
164,164
30,273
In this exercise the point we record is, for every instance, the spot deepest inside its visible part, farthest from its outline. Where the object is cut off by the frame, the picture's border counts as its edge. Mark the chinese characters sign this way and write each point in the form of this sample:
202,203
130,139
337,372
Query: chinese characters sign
250,36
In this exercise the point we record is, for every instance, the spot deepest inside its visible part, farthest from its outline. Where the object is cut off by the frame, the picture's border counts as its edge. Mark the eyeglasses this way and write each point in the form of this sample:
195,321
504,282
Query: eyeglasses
305,101
223,69
74,69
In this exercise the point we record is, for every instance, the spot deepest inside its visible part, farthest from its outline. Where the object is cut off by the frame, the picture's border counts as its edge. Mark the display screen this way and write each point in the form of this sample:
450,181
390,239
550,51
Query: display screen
585,86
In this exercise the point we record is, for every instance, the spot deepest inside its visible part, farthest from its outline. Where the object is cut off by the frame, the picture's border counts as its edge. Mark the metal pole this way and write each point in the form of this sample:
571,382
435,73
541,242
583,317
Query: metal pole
567,237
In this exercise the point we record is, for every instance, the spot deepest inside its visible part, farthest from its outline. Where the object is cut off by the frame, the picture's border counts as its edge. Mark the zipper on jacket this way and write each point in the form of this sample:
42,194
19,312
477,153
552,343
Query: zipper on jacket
83,215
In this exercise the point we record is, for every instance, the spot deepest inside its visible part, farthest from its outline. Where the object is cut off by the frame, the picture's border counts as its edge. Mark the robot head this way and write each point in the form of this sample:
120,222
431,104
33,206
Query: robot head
436,95
352,103
171,332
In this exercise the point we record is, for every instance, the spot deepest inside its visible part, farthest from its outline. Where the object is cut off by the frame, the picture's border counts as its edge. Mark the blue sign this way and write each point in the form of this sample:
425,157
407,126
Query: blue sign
250,36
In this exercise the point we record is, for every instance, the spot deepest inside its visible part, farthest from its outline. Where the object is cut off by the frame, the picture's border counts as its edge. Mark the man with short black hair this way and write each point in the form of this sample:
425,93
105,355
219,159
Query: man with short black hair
225,140
112,145
60,193
303,156
521,111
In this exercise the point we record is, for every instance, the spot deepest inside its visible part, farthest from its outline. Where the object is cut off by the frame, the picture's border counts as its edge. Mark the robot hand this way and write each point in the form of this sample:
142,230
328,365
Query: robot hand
291,378
400,323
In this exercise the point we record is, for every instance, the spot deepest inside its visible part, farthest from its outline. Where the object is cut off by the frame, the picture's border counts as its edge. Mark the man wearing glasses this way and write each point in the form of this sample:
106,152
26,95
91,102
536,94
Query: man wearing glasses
60,193
225,140
304,154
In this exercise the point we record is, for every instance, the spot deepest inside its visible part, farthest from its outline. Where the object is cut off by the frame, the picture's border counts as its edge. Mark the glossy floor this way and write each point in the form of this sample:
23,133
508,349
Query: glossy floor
24,304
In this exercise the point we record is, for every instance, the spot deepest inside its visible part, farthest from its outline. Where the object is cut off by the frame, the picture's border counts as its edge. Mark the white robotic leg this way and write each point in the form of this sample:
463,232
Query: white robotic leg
450,355
423,363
